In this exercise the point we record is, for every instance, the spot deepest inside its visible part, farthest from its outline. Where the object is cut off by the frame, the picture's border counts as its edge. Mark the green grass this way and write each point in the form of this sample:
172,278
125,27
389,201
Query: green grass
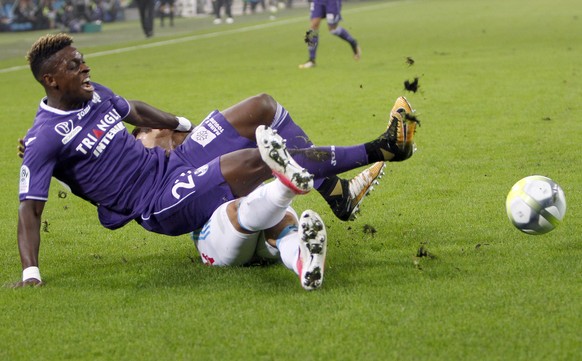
500,94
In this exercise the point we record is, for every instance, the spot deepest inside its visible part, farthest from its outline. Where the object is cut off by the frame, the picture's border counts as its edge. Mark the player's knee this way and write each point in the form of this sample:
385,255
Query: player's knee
266,106
288,223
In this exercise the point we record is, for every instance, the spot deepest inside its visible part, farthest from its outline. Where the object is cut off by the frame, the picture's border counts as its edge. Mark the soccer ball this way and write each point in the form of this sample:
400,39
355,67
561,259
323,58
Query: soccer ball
536,204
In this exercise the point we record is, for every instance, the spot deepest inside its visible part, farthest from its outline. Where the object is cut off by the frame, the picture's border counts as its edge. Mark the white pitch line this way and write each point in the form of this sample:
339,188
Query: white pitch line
206,36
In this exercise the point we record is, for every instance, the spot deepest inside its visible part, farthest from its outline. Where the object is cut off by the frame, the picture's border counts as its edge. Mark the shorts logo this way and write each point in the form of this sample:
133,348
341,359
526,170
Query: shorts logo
187,184
202,136
201,171
66,130
24,179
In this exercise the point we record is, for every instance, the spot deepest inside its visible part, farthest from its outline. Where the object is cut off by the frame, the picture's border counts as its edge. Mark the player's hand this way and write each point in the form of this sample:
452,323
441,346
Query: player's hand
31,282
21,147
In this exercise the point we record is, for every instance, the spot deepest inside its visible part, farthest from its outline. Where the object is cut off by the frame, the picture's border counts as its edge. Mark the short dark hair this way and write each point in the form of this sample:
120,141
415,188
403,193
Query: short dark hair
45,47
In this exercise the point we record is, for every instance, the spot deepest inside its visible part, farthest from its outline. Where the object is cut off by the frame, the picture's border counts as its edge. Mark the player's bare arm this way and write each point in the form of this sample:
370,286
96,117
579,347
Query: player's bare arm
29,219
144,115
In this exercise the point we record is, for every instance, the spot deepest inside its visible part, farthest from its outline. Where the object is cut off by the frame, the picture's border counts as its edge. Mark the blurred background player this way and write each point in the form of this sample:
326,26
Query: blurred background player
146,16
167,10
331,11
217,5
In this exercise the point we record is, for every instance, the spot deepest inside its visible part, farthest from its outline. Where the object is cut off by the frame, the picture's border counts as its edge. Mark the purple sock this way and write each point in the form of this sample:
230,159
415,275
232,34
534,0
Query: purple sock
289,130
295,136
312,40
327,161
344,34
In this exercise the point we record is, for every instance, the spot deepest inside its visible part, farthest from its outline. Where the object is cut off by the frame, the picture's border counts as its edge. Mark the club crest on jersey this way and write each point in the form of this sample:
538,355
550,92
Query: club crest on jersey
202,136
207,131
67,130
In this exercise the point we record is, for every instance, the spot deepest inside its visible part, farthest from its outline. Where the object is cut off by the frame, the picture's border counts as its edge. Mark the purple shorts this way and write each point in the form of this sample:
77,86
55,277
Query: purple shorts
187,199
328,9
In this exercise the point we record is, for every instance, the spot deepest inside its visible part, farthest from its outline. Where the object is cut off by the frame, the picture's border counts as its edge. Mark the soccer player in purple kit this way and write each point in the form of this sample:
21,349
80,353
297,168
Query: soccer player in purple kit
79,138
331,11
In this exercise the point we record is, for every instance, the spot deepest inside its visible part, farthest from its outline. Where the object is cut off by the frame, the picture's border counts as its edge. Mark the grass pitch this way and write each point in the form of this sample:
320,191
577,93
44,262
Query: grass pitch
432,270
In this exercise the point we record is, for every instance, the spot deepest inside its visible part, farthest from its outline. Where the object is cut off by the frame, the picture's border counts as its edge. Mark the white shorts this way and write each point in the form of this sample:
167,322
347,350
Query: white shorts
220,244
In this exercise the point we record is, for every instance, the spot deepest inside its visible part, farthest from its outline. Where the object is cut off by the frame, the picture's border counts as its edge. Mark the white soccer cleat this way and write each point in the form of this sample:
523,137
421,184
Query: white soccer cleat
274,152
307,65
217,21
361,185
229,20
312,250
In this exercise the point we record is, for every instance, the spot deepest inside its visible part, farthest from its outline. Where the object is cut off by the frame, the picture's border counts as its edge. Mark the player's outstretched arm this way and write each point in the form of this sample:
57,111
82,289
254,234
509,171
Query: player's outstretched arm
144,115
29,218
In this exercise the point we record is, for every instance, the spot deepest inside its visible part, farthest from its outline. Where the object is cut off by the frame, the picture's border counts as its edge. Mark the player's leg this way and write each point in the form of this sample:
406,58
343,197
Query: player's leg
343,196
395,144
302,246
150,15
216,5
267,112
228,12
235,174
220,243
333,19
203,144
244,171
162,13
172,11
312,35
263,208
343,34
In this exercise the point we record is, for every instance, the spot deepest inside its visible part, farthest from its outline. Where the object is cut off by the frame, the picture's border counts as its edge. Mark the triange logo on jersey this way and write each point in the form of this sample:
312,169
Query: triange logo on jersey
98,133
103,125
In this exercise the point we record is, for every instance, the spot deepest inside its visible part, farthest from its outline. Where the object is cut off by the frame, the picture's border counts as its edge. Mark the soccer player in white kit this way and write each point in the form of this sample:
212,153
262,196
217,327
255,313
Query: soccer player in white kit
264,225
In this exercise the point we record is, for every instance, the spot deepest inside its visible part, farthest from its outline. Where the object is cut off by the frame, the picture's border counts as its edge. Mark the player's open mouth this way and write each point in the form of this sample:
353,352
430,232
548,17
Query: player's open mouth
87,85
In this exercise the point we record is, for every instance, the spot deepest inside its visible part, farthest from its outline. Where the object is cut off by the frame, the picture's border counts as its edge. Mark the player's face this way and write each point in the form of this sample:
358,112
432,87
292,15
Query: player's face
70,78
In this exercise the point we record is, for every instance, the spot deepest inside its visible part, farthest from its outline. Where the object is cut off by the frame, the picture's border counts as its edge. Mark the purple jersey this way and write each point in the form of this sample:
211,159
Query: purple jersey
91,151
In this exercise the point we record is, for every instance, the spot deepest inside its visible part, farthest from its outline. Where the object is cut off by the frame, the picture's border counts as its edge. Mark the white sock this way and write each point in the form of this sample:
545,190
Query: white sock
265,206
288,246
